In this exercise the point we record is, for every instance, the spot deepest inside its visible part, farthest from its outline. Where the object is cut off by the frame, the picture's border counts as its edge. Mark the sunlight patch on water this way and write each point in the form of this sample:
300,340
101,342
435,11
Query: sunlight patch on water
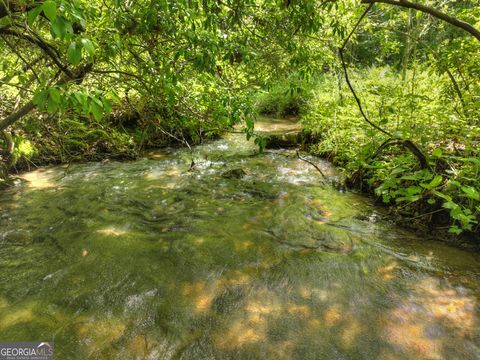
312,293
201,293
235,278
332,315
243,245
410,326
15,317
157,155
101,333
139,346
42,179
448,305
270,125
112,231
350,333
3,302
299,310
409,337
251,325
387,271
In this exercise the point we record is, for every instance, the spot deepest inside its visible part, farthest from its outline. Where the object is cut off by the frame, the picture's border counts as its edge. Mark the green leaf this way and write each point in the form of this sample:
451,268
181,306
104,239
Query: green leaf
57,29
81,98
471,192
437,152
52,106
96,109
88,46
61,27
412,190
74,53
473,161
437,180
443,196
54,94
50,9
32,15
40,98
455,230
96,100
107,105
452,206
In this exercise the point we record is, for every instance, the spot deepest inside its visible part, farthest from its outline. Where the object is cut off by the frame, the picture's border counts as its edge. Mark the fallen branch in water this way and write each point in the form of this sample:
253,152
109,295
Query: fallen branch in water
311,163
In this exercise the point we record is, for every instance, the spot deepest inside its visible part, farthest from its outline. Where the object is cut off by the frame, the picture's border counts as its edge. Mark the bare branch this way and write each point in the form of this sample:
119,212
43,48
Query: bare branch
311,163
347,78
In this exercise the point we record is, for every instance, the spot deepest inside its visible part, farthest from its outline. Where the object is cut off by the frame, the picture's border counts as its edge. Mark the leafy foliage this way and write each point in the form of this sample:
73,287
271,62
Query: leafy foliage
427,116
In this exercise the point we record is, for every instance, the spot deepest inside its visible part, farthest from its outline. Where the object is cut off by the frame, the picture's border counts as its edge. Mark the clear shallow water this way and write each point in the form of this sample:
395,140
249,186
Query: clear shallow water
148,260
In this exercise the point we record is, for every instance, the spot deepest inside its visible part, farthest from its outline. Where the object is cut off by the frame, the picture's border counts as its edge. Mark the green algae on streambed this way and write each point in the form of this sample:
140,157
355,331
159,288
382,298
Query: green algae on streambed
153,260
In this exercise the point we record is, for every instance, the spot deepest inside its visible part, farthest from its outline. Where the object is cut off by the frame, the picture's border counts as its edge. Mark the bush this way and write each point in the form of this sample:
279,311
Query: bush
422,109
283,99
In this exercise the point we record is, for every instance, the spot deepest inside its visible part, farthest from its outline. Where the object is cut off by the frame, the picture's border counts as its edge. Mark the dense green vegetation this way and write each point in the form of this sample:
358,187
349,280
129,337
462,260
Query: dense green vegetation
400,114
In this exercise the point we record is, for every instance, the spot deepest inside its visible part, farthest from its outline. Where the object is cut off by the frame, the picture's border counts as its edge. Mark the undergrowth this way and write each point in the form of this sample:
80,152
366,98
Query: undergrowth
423,109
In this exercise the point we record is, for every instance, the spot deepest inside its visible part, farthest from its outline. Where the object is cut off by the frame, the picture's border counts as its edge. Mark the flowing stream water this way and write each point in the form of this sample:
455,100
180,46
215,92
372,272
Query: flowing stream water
243,256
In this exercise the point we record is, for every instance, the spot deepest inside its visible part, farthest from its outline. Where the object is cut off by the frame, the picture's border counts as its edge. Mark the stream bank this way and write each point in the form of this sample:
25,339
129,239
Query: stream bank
422,217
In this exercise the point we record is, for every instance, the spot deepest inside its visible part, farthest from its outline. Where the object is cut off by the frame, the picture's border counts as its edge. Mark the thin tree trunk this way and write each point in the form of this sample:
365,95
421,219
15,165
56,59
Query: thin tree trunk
407,45
10,119
456,87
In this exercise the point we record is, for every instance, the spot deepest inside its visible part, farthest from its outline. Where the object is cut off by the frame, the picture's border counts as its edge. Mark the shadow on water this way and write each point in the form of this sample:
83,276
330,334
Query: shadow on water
148,260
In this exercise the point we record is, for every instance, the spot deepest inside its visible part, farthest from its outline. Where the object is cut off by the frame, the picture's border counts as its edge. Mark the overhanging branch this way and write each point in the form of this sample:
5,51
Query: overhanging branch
347,78
407,144
431,11
41,44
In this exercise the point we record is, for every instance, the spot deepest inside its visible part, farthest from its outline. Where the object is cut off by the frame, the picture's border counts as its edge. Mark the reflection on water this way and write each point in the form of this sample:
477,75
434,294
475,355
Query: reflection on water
154,260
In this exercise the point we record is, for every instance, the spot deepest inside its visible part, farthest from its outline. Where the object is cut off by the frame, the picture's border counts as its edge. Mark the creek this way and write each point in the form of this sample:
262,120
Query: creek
245,255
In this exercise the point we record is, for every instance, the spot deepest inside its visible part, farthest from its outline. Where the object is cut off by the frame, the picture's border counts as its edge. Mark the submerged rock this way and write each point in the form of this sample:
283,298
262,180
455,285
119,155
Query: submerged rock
234,174
288,140
300,230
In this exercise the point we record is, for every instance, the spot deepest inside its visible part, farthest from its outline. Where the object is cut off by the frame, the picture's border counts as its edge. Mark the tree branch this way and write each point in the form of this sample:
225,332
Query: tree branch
431,11
10,119
311,163
29,106
8,7
422,159
41,44
408,144
347,78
